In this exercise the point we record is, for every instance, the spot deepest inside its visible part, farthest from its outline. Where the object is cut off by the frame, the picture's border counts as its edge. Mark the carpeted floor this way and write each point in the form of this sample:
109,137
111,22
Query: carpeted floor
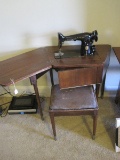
27,137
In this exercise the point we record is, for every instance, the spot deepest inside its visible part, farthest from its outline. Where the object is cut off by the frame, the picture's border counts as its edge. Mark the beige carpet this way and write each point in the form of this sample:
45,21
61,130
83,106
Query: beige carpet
26,137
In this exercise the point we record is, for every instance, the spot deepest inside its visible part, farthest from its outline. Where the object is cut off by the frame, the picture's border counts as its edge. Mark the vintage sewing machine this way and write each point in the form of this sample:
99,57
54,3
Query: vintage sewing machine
86,38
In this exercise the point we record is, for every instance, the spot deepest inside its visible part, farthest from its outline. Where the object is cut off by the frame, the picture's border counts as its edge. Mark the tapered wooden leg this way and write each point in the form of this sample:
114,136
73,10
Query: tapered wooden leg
97,90
94,125
34,83
53,124
103,87
117,101
51,76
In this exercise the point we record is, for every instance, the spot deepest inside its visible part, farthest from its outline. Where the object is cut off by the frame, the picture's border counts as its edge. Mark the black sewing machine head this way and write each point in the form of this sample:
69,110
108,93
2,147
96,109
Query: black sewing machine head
86,38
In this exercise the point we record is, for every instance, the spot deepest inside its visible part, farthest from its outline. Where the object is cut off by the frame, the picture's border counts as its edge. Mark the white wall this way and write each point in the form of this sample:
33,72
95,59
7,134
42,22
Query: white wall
28,24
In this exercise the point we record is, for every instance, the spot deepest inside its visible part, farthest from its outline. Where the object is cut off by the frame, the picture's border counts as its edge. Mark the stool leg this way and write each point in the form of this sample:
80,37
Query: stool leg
94,126
53,124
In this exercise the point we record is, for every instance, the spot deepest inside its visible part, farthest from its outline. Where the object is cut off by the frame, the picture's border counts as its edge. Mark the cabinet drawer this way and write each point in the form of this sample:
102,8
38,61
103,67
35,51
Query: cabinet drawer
77,77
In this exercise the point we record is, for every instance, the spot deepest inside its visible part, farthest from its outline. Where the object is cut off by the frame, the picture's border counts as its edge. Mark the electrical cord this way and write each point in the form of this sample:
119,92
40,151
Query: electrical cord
3,111
6,91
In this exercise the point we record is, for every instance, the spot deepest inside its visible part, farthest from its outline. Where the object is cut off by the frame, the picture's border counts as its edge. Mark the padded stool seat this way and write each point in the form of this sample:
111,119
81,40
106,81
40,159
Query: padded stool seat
73,98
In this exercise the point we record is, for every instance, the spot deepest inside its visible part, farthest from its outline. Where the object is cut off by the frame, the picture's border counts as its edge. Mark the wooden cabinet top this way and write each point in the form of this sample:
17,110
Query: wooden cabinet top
42,59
